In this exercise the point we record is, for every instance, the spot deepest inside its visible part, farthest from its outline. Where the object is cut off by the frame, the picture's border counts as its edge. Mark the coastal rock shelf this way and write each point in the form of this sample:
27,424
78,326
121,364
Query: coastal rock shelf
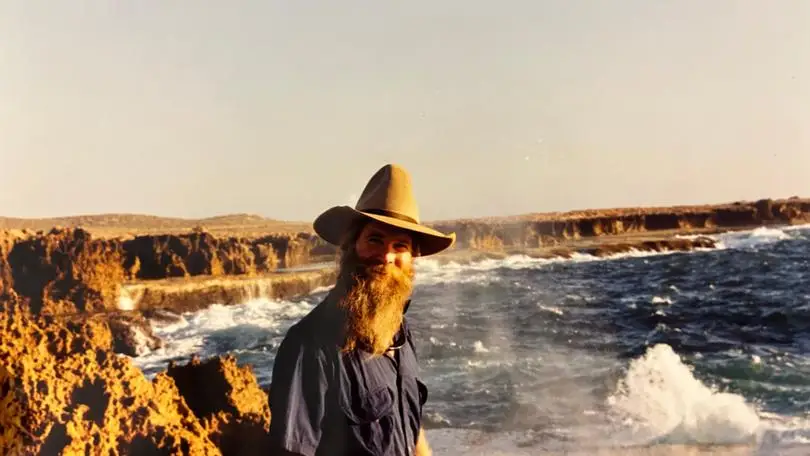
195,294
540,230
195,254
241,248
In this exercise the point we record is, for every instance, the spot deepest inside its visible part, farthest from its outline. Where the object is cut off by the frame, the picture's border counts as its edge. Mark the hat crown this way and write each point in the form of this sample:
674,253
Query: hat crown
387,198
390,192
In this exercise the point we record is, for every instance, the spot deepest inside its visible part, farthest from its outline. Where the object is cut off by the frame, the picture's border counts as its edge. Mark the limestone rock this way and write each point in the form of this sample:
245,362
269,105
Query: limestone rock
77,398
66,271
226,398
194,254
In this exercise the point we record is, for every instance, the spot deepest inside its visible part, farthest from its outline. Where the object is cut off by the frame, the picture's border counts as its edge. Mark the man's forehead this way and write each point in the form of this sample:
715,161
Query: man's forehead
386,230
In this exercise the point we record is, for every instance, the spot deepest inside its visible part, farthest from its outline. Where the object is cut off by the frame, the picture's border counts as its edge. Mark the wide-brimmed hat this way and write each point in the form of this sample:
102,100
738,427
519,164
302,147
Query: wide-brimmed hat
388,198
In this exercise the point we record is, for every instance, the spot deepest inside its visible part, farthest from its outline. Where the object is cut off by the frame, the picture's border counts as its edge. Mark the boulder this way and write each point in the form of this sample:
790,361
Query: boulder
228,401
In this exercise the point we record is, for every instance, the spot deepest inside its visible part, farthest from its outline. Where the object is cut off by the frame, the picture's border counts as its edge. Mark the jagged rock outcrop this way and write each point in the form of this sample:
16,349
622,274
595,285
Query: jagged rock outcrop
72,396
63,391
7,240
295,249
131,332
66,271
193,254
201,253
228,401
53,269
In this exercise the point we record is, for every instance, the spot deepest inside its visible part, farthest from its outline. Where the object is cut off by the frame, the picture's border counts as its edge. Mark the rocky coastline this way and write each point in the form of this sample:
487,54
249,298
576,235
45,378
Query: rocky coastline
75,304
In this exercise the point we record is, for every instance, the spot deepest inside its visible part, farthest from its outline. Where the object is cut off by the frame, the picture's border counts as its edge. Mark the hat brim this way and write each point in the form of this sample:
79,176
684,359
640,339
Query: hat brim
334,223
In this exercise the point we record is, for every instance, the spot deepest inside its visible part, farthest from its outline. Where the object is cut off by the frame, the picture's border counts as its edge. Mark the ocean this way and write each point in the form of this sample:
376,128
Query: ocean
704,352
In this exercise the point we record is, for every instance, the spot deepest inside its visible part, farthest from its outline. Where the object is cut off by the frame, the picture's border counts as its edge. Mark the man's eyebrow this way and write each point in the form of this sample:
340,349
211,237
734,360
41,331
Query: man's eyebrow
403,238
400,237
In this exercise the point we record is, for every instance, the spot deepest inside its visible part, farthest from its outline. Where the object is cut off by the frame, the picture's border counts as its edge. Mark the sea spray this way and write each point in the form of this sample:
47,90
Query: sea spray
662,401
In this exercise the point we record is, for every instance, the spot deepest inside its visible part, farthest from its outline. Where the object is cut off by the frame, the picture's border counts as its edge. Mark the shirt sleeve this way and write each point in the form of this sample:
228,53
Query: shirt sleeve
298,396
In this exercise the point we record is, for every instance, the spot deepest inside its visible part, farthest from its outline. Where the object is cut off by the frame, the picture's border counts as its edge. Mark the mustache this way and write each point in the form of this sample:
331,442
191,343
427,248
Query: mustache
354,267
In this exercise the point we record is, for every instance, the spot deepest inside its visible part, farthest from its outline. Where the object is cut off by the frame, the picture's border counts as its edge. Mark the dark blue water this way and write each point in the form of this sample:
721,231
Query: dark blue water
739,317
585,349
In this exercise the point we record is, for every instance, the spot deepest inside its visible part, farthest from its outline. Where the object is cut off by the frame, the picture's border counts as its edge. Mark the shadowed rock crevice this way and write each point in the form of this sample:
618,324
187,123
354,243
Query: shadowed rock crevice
143,446
94,397
56,441
228,401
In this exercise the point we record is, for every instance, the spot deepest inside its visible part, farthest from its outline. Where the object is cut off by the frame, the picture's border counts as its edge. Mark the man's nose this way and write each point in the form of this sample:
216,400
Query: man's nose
390,257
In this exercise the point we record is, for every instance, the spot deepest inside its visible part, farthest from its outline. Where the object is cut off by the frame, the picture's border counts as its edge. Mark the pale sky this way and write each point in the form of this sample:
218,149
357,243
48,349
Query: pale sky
200,108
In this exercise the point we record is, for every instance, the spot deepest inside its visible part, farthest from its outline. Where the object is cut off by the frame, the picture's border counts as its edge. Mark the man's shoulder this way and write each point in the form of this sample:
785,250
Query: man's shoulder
316,329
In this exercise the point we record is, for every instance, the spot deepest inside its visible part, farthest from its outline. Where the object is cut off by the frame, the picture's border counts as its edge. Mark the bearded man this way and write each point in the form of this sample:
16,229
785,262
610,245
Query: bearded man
345,378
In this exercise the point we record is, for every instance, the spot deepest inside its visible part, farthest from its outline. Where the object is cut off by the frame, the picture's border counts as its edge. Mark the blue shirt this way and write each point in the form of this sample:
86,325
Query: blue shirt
323,401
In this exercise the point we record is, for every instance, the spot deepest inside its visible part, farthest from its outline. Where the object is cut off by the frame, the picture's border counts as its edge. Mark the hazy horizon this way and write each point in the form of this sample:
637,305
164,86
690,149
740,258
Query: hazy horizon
284,109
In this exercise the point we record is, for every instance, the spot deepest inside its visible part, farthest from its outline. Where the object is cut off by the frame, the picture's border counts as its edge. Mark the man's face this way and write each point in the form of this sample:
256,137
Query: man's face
380,244
376,276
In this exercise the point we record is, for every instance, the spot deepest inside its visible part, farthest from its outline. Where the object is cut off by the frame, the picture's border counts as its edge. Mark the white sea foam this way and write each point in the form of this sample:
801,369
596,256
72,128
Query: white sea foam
661,400
661,300
657,407
433,272
805,229
246,324
478,347
552,309
751,239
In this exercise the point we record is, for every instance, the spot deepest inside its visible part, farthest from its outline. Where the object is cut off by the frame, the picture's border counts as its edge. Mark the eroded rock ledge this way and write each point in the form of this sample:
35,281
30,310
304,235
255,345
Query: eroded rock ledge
539,230
64,391
196,252
67,274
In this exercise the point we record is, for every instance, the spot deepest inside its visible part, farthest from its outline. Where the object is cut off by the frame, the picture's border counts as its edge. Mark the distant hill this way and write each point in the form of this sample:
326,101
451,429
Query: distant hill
115,225
252,225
